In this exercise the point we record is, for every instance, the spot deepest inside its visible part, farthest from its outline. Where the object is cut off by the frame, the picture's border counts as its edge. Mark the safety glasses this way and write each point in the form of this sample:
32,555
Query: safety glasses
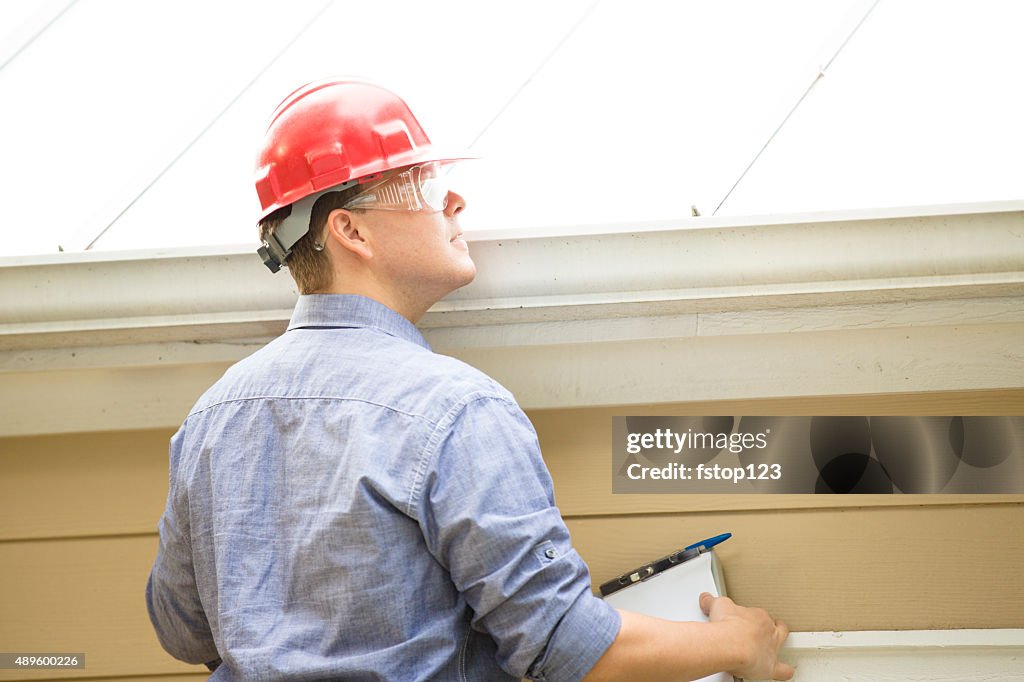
422,187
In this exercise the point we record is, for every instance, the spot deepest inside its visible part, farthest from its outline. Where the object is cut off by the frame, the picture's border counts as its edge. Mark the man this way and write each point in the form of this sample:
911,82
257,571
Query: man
346,504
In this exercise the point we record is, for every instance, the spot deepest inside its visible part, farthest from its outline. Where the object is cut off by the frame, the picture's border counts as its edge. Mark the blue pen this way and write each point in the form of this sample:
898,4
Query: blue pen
710,542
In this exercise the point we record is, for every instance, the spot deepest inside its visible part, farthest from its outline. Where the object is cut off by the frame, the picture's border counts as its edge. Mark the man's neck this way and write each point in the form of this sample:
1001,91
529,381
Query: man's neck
409,309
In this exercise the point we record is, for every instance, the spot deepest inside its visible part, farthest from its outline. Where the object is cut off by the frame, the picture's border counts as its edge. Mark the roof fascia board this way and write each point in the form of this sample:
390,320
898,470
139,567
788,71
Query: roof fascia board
873,305
224,293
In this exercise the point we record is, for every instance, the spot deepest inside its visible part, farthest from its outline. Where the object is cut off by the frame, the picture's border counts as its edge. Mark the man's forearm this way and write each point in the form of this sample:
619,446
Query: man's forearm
648,648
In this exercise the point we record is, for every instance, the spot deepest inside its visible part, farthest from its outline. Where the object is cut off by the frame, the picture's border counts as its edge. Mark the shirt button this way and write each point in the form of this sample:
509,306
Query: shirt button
550,553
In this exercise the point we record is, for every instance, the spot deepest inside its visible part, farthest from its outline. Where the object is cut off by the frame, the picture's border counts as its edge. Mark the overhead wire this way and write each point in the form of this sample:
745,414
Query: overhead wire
544,62
216,118
820,75
35,35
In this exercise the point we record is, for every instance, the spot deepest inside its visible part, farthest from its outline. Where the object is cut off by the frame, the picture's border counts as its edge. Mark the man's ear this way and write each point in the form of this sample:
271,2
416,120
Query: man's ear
343,228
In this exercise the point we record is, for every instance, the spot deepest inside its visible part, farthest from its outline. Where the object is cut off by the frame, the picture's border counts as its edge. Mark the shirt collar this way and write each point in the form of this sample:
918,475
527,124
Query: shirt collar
349,310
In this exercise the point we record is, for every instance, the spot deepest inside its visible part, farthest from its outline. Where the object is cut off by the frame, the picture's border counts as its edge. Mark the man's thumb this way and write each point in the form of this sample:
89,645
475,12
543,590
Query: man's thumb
705,602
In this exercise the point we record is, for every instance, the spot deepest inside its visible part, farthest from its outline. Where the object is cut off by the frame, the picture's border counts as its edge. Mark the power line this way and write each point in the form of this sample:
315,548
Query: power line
216,118
533,75
38,33
821,74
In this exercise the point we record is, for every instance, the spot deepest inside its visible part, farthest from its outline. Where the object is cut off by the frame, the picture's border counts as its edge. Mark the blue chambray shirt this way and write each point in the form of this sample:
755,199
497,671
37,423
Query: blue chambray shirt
347,504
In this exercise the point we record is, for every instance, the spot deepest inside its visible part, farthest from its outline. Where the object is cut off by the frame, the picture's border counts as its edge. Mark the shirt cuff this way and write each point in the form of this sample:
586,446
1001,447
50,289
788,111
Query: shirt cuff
582,636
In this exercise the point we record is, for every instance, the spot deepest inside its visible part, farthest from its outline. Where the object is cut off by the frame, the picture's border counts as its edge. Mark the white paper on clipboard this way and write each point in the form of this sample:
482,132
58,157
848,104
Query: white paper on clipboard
674,594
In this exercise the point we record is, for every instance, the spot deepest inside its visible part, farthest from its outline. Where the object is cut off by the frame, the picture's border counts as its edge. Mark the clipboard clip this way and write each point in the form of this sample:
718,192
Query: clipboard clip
648,570
636,576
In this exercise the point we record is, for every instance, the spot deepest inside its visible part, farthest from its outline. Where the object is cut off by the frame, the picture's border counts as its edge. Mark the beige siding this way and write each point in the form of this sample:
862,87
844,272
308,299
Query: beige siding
859,562
78,485
82,595
905,568
577,447
78,516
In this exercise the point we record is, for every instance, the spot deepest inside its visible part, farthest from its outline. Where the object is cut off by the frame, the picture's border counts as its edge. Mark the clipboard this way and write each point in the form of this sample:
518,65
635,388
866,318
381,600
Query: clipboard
669,588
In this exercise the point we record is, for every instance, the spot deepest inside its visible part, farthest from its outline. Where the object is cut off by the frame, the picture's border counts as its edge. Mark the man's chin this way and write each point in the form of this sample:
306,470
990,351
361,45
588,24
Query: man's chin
471,275
466,274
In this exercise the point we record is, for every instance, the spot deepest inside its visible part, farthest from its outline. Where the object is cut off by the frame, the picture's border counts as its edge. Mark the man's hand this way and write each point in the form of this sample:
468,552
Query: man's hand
742,641
762,634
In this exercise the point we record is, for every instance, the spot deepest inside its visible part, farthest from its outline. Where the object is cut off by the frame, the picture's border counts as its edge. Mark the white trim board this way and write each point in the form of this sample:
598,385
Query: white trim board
815,305
744,266
903,656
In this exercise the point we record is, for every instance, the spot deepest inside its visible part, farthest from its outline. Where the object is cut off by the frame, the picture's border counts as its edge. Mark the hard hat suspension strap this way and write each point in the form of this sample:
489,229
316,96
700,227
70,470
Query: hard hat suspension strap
278,246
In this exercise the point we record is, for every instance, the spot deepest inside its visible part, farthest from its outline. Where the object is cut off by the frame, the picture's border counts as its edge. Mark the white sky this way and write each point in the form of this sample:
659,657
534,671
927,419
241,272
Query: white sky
140,120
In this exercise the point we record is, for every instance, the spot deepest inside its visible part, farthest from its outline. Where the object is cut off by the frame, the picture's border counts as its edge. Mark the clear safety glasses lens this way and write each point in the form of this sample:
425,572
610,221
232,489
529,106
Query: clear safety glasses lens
423,187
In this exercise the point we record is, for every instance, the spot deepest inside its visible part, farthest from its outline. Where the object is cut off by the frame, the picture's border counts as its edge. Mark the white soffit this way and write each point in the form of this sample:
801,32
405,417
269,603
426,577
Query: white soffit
649,108
456,63
728,308
22,22
595,271
103,99
141,119
455,67
921,107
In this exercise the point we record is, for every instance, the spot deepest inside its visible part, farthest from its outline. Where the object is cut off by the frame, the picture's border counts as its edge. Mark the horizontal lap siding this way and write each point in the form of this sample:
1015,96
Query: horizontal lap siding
903,568
577,448
78,514
74,485
82,595
820,562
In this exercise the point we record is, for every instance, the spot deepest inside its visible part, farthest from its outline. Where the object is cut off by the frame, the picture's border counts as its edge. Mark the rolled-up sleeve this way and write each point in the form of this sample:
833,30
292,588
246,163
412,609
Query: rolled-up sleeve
172,597
485,503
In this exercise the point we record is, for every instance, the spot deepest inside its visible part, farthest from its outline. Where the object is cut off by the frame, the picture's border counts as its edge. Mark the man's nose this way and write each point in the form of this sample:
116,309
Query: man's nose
456,202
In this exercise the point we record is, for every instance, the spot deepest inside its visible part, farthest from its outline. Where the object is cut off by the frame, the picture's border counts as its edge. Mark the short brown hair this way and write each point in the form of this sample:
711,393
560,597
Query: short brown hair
310,268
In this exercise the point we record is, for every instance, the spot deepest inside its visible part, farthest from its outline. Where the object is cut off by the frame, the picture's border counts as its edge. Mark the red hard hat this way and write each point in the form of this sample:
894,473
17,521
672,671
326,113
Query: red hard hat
328,134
